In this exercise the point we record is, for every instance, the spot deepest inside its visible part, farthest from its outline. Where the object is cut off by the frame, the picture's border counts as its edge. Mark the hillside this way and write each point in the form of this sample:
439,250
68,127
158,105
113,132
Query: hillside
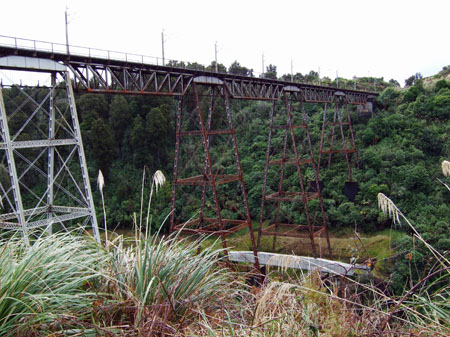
67,283
400,150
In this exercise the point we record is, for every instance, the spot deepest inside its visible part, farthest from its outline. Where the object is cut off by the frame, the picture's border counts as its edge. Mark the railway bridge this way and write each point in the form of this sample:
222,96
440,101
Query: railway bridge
55,158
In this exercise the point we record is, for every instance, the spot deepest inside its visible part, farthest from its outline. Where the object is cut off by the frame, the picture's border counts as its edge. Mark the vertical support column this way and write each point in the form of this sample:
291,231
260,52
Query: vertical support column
350,127
280,186
209,169
339,105
175,162
82,158
322,134
298,159
299,171
344,144
15,184
316,176
241,179
333,126
206,183
266,171
205,168
51,153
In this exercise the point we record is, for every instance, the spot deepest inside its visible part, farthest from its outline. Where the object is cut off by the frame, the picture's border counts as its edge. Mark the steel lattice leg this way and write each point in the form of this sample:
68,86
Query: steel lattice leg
40,154
81,156
175,163
303,197
6,138
208,182
345,144
266,170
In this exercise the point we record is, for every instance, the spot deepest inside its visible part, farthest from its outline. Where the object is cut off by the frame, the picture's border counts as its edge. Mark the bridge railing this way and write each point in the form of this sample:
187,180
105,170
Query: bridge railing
60,48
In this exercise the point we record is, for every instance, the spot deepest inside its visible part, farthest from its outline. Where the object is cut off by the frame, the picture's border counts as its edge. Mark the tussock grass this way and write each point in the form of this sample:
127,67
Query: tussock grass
164,282
43,286
64,284
428,301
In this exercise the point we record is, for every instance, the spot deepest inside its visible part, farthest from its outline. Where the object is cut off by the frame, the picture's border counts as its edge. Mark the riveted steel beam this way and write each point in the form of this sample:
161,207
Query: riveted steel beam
107,75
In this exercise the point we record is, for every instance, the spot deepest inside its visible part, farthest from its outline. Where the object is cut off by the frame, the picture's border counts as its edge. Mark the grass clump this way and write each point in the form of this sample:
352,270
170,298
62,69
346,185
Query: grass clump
43,286
163,282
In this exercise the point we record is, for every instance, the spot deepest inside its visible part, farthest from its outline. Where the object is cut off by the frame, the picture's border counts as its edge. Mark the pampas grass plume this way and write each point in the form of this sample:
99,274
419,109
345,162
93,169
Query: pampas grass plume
100,181
101,184
446,168
388,207
159,179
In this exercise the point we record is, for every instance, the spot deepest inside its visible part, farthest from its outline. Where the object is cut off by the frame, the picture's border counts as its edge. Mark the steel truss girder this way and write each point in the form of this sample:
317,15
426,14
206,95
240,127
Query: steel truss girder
102,75
128,80
61,142
175,82
302,197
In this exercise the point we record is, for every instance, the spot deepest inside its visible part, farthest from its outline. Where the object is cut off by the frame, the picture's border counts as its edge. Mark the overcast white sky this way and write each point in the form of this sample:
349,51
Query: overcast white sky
383,38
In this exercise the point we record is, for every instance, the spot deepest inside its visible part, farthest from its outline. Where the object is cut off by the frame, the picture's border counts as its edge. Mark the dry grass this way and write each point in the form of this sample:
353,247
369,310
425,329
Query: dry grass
309,305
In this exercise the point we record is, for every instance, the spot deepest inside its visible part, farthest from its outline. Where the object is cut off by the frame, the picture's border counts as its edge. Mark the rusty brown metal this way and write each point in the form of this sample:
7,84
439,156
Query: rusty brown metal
343,147
213,133
211,180
292,157
330,143
107,75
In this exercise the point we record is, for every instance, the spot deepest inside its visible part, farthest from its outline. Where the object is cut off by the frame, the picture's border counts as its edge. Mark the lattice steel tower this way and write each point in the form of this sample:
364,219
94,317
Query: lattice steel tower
207,167
290,153
338,141
44,180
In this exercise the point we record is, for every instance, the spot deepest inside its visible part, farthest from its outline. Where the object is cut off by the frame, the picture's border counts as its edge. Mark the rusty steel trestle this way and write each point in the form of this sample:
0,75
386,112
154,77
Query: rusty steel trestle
278,228
210,178
339,142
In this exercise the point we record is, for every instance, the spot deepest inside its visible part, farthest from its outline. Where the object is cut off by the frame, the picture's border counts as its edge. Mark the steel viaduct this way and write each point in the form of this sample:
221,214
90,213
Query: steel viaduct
60,141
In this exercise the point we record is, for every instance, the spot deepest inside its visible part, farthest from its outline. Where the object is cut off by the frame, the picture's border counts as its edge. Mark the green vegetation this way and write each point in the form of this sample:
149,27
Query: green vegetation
43,287
66,284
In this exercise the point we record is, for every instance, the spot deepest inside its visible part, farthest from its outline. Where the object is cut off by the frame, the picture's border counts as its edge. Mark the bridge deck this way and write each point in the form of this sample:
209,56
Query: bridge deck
108,75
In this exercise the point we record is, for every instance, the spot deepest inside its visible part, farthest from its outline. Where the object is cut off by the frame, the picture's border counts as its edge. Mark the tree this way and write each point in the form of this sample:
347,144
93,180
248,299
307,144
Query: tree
176,64
120,118
102,145
220,67
441,84
298,77
438,106
138,140
313,76
271,72
158,129
394,82
388,98
195,66
237,69
412,80
93,102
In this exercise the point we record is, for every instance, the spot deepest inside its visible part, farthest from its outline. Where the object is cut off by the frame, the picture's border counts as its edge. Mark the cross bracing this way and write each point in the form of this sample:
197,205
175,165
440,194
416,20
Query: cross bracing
136,74
42,152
